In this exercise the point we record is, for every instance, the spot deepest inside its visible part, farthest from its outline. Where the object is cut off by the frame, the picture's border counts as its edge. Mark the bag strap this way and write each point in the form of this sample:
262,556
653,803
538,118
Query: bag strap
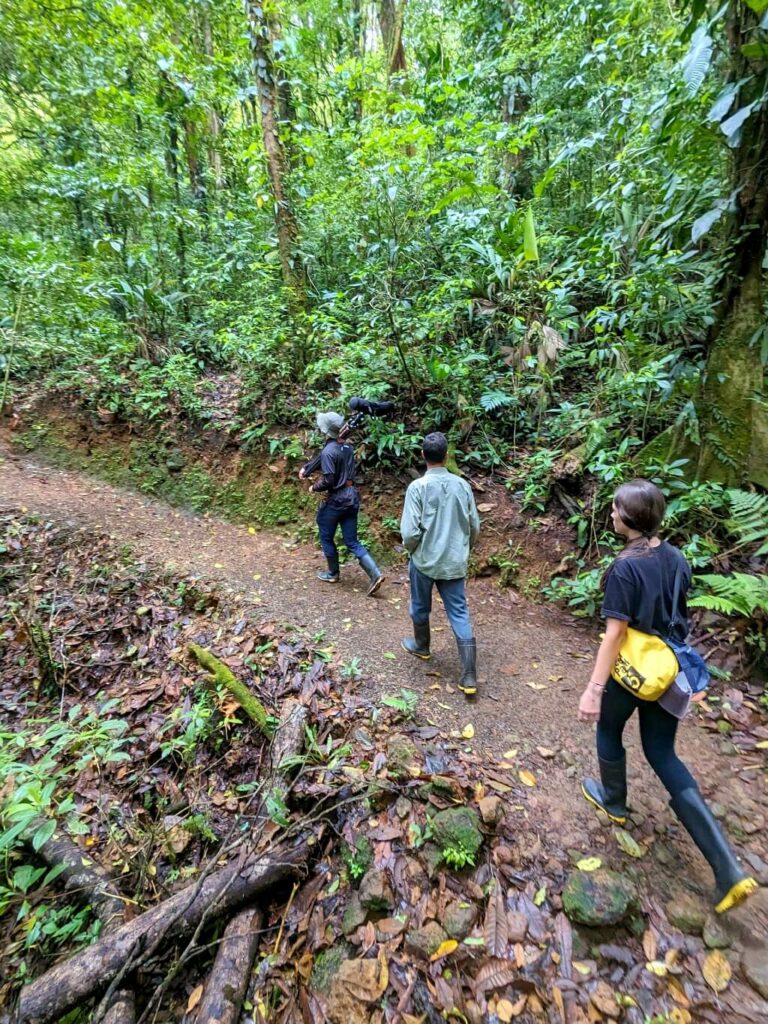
676,586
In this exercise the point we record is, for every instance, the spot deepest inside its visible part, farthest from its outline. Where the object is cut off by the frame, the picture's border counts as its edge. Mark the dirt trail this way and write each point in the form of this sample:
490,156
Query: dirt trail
533,660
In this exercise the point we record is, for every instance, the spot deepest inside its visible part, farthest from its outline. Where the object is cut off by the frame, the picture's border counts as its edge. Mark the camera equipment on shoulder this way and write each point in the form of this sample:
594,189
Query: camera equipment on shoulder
362,407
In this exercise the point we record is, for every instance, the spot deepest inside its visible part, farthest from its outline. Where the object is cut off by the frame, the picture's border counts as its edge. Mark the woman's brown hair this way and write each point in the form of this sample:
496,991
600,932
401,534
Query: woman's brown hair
641,506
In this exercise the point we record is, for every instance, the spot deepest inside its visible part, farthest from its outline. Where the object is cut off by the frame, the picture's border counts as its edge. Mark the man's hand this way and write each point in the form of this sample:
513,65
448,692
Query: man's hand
302,474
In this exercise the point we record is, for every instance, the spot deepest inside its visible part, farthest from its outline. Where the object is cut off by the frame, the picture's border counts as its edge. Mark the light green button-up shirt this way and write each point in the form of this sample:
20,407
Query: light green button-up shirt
440,524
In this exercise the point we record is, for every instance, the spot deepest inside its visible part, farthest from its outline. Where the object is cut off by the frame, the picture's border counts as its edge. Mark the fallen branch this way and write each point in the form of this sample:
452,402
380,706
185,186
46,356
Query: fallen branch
228,980
71,983
288,742
90,883
223,676
83,877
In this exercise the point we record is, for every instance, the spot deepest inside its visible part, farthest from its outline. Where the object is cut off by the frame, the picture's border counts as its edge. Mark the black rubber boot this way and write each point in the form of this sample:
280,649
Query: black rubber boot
373,572
331,574
610,794
468,656
419,646
732,885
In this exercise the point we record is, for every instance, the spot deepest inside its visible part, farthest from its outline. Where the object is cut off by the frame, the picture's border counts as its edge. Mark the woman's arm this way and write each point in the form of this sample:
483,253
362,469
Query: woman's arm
589,705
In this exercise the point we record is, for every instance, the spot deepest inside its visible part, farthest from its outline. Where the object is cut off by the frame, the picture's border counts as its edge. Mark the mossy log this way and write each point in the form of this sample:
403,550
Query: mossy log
72,982
223,676
228,980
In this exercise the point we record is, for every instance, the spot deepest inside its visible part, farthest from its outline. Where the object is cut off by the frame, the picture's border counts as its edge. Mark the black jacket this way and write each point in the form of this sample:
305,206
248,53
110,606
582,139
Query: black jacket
337,465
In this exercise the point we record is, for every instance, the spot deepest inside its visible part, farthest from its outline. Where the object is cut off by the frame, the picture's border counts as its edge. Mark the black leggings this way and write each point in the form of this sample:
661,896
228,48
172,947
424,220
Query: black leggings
657,732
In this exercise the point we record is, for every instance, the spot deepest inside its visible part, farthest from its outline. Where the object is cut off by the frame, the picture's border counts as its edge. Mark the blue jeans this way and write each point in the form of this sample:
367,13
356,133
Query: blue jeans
658,730
454,599
329,518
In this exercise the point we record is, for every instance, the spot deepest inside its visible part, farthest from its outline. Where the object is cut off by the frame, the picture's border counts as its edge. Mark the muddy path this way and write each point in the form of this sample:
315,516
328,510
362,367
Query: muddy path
533,661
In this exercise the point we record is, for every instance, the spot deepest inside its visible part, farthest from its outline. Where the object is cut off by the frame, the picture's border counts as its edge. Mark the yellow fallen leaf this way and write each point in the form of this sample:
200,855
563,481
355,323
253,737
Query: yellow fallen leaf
656,967
468,731
217,565
251,529
582,968
194,998
527,778
762,745
510,755
536,686
679,1015
589,864
479,791
716,971
444,949
505,1010
628,844
257,576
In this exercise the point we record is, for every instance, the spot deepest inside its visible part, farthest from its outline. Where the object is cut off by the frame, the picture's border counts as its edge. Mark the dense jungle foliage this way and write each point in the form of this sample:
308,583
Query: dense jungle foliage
541,228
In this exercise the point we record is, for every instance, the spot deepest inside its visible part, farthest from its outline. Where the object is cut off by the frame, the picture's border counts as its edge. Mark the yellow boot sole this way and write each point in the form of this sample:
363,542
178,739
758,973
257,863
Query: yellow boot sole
736,895
424,657
612,817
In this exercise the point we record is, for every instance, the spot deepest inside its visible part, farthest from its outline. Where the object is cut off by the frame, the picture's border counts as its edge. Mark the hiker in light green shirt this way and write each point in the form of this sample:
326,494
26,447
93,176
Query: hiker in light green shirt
439,527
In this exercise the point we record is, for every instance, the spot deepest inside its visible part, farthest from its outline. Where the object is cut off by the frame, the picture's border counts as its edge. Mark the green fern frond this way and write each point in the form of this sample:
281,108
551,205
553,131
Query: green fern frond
749,519
737,594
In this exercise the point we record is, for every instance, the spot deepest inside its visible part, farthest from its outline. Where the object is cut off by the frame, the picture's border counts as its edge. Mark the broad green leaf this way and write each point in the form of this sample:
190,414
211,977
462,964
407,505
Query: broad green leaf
530,246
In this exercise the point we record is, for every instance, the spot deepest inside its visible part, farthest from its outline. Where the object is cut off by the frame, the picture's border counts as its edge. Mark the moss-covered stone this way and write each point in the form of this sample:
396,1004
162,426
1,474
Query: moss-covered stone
458,828
687,913
354,915
596,898
423,942
460,918
327,966
376,892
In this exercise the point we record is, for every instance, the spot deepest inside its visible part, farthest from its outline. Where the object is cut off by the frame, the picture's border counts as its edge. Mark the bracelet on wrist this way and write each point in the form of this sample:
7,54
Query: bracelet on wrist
597,686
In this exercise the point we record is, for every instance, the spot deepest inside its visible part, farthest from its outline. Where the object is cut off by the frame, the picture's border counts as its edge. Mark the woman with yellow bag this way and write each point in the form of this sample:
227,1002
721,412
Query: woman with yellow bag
640,667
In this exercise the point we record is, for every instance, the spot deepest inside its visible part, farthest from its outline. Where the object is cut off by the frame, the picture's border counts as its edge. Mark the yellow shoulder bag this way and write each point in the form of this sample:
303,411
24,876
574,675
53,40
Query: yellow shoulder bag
645,665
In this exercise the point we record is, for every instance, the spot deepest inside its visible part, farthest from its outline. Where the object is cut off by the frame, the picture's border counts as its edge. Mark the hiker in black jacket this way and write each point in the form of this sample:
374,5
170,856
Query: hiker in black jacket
342,502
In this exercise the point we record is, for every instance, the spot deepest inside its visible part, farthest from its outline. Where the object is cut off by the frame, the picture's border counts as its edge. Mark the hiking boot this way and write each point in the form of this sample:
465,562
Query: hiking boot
610,794
419,646
732,885
331,574
468,656
373,572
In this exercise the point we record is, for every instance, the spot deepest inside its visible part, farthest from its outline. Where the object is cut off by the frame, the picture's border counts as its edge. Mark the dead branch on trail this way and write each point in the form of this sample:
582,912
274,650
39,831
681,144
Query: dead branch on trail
71,983
228,980
89,883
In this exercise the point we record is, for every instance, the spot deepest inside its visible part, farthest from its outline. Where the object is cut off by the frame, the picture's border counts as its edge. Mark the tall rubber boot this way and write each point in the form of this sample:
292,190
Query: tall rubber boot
732,885
419,646
331,574
610,794
373,572
468,656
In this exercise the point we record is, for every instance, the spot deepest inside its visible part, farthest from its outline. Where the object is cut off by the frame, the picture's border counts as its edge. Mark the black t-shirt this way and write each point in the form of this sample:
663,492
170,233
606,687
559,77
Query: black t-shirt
337,464
640,588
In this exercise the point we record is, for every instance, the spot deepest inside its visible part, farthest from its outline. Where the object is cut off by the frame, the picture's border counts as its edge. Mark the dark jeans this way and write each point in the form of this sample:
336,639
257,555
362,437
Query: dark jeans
329,518
657,733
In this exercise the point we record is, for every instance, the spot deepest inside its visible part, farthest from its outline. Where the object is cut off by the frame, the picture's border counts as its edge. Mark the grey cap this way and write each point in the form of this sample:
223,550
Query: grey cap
329,423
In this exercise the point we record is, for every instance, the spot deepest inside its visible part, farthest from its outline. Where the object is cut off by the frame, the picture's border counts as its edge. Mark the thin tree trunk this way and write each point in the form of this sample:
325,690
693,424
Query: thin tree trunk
214,122
267,84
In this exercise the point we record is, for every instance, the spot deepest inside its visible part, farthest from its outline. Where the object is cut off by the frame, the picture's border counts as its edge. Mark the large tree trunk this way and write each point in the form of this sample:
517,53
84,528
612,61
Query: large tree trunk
268,87
732,411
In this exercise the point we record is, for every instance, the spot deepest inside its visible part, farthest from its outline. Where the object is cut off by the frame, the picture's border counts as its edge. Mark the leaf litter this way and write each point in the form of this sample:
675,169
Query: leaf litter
117,631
